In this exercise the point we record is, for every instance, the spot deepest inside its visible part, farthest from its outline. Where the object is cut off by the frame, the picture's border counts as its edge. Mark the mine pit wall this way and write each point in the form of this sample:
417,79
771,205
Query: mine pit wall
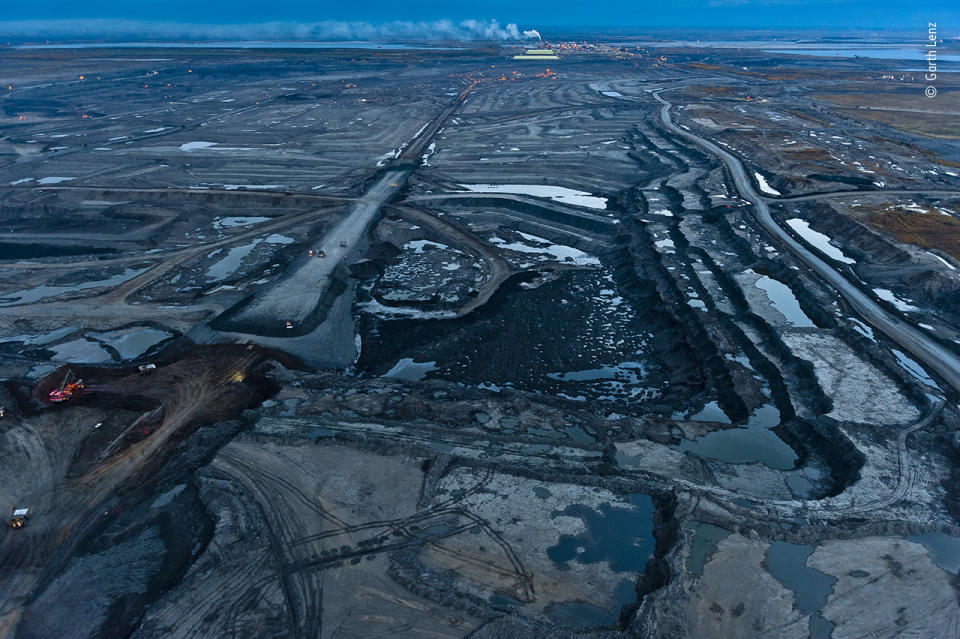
165,538
672,348
644,261
800,371
863,346
658,573
950,442
821,434
184,527
874,255
660,613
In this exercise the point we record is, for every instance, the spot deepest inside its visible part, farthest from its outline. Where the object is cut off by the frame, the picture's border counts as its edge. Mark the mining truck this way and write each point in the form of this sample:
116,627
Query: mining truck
19,517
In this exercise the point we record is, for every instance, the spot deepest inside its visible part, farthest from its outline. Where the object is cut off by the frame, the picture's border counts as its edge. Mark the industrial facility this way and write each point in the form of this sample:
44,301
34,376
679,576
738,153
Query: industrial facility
537,54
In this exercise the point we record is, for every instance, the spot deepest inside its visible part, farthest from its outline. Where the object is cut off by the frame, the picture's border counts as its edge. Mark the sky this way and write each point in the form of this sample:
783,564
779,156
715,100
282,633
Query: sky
51,16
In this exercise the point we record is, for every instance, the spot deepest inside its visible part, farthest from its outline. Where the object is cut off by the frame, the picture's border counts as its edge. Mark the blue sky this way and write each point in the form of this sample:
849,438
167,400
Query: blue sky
542,14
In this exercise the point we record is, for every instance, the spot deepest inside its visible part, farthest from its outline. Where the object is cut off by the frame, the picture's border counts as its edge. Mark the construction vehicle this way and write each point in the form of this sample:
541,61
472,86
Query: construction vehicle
69,387
19,517
289,324
145,369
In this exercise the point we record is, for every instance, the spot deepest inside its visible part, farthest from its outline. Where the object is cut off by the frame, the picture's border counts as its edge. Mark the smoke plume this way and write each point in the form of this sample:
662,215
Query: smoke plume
532,33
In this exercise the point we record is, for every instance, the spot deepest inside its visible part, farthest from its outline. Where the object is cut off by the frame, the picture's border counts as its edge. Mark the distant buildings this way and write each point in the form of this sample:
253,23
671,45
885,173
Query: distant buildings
540,55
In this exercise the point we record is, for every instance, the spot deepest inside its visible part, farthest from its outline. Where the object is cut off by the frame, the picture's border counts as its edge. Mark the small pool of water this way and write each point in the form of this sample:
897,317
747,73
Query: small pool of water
620,535
784,301
30,295
818,240
755,443
943,549
788,565
711,413
132,343
705,541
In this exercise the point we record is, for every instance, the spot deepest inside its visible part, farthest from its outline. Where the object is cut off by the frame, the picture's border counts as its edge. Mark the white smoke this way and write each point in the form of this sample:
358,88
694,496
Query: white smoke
531,34
465,30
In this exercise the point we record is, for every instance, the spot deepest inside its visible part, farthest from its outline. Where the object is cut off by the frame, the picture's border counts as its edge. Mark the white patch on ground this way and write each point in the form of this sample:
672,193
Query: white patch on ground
430,151
54,180
234,187
231,222
559,252
556,193
193,146
417,246
888,296
168,496
708,123
21,181
859,391
389,155
381,310
862,328
945,263
818,240
410,370
766,188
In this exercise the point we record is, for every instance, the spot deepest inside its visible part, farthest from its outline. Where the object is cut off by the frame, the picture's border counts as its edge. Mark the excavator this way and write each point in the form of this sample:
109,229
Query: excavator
69,387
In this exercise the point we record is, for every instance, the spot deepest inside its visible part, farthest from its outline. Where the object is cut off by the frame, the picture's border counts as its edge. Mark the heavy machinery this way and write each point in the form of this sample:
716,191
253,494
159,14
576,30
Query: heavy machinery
69,387
19,517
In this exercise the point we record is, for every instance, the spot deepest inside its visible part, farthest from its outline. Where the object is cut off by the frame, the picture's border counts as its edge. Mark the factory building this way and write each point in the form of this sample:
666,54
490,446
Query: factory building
537,54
